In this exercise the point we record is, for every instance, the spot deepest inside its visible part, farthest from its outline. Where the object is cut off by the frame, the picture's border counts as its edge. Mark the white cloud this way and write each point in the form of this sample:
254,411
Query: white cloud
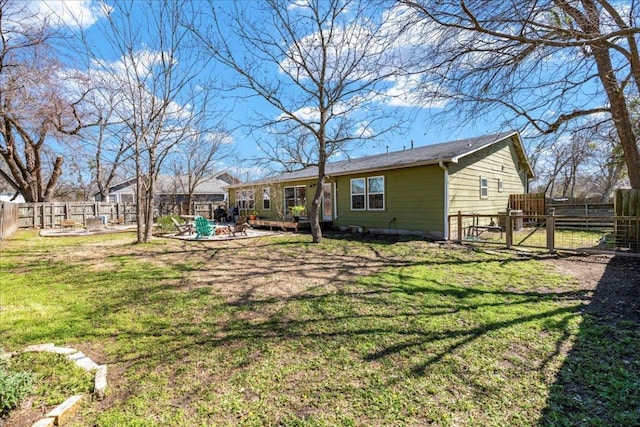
388,46
408,91
72,14
298,4
364,131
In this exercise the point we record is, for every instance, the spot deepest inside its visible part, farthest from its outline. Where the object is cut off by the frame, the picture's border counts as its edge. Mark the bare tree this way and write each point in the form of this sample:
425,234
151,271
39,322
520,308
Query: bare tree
34,102
320,68
551,163
579,151
159,101
604,168
553,63
588,164
610,166
198,159
105,143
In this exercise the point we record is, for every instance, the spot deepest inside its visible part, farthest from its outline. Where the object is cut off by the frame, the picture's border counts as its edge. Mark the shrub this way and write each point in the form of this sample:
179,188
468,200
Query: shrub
297,210
14,386
165,222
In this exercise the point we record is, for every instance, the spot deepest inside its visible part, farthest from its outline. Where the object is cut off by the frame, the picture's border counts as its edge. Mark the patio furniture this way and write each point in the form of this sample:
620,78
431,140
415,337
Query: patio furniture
68,223
222,230
183,229
117,221
95,223
204,228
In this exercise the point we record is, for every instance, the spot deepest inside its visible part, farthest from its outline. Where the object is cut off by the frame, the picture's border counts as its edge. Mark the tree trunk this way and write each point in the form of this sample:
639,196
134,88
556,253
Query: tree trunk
590,24
620,114
53,180
316,230
139,200
148,214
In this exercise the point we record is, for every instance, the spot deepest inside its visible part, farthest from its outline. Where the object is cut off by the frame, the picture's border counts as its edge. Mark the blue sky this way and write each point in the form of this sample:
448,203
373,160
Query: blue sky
86,15
425,127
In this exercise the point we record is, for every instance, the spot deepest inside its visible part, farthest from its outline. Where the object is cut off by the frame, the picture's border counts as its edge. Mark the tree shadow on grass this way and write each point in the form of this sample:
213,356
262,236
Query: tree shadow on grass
599,381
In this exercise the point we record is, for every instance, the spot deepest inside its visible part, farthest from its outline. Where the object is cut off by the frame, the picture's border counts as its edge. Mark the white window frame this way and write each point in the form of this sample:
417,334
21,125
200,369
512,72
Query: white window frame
297,199
363,194
245,199
370,193
266,196
484,187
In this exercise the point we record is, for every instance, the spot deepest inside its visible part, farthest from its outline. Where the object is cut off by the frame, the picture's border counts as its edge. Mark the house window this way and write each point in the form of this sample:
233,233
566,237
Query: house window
266,199
484,187
294,196
500,185
367,193
375,187
358,194
245,199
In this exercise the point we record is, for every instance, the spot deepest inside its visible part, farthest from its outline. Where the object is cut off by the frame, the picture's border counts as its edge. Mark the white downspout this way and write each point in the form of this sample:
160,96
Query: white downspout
335,200
446,199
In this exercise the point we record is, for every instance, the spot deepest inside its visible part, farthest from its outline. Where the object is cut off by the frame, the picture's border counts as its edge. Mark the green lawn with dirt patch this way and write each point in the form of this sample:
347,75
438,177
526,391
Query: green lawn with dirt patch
279,331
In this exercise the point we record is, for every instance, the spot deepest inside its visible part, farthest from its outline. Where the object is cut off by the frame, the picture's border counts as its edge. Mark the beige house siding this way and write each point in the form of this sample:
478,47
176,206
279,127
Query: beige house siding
414,201
496,162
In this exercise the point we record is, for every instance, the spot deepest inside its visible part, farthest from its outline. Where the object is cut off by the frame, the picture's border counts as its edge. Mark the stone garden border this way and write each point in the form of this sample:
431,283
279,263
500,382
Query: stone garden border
63,412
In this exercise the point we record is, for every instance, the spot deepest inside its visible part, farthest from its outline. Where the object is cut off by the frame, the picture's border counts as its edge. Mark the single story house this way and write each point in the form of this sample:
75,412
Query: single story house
405,192
172,191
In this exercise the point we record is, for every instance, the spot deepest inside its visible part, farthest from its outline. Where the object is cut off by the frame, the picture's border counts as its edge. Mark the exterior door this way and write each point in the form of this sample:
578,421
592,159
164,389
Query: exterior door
327,203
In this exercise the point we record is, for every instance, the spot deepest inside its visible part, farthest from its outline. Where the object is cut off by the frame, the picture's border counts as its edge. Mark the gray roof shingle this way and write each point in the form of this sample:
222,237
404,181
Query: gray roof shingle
429,154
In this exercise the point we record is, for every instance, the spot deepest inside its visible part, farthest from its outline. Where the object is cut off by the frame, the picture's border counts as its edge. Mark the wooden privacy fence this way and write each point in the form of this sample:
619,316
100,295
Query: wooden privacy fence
582,209
529,204
51,215
8,219
627,204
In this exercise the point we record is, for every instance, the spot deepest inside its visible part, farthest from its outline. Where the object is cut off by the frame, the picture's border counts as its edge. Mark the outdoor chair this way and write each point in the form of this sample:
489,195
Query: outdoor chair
182,228
204,228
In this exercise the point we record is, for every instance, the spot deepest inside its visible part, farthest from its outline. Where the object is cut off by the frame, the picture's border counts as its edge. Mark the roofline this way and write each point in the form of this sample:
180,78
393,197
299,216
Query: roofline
482,147
351,172
531,173
454,159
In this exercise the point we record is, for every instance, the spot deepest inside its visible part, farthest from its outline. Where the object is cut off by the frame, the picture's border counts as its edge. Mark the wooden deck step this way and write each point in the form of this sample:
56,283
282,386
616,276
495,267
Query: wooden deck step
284,225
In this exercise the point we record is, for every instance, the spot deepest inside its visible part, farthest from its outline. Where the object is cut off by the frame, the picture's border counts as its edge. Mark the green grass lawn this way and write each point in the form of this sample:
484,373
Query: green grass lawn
278,331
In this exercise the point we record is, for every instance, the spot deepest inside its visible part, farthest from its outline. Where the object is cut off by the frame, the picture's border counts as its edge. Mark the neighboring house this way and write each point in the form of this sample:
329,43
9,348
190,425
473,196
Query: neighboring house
11,197
6,181
173,190
406,192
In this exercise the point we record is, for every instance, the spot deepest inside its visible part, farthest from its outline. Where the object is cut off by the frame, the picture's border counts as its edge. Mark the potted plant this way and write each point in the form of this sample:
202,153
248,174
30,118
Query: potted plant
296,211
253,215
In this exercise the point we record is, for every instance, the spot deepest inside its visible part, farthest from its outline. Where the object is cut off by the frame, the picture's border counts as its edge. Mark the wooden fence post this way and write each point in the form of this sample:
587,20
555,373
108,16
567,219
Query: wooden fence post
551,230
509,230
459,226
